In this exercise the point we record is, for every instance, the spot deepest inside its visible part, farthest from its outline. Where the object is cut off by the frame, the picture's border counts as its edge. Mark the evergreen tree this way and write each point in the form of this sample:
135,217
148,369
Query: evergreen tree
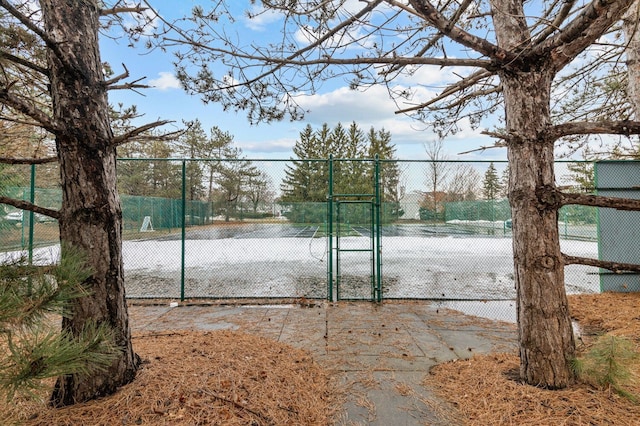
504,182
307,179
338,142
156,177
380,145
354,177
196,144
349,175
190,145
301,175
36,348
219,143
491,183
132,174
582,174
164,176
234,175
389,174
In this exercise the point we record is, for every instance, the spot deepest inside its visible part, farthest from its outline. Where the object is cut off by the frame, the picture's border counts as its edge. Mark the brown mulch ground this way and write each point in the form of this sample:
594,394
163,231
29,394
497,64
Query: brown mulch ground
486,389
205,378
231,378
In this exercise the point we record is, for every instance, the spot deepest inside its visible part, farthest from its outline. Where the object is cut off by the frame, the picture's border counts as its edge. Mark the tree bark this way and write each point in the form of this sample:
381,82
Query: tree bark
631,27
544,325
90,217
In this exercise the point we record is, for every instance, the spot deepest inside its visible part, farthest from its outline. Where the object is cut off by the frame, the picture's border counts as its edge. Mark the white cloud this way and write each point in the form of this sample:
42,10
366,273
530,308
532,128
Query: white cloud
267,146
374,108
166,81
430,75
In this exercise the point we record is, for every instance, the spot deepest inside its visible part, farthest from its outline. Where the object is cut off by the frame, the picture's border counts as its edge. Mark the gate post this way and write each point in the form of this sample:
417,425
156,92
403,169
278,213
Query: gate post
330,231
378,246
183,225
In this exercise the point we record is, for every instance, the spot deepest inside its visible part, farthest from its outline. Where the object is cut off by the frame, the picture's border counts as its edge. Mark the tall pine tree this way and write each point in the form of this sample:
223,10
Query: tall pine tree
307,178
491,183
301,176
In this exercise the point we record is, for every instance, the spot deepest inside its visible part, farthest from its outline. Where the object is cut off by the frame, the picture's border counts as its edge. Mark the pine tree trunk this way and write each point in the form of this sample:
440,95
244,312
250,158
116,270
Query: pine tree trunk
90,217
544,325
631,27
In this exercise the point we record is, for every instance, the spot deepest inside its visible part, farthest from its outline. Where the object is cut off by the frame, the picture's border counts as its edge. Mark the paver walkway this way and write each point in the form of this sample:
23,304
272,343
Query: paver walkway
382,352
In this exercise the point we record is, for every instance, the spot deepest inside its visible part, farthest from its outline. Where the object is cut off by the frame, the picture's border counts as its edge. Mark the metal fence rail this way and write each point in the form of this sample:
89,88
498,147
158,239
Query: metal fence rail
187,238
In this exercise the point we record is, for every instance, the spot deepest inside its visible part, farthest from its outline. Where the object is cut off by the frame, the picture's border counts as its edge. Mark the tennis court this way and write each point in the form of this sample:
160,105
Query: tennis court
280,260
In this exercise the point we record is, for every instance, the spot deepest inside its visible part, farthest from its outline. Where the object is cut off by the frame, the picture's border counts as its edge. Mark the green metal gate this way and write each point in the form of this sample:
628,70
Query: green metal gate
354,242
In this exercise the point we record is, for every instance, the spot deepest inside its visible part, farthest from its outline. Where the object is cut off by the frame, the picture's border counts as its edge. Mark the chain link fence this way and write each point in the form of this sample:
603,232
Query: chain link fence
277,228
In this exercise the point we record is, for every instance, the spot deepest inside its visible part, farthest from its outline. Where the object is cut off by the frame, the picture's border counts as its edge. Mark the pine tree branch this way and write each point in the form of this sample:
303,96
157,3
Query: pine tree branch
497,135
118,10
19,121
13,160
442,24
432,42
17,104
624,128
131,134
452,89
130,86
24,270
616,267
557,22
20,61
585,28
117,78
397,60
24,20
565,198
111,83
26,205
484,148
278,64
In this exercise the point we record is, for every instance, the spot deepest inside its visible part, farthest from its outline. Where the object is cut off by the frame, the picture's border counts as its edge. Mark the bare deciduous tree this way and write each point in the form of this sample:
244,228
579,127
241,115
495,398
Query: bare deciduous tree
436,173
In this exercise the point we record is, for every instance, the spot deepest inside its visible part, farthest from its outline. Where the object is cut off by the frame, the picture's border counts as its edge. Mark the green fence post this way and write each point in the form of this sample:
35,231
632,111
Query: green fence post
32,199
378,248
184,224
330,232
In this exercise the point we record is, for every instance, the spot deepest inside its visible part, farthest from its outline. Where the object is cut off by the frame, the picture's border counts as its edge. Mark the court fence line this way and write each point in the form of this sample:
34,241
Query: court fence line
260,229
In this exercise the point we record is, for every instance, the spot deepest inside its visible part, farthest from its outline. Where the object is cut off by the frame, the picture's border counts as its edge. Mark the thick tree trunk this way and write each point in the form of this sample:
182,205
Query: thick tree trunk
90,217
544,325
631,27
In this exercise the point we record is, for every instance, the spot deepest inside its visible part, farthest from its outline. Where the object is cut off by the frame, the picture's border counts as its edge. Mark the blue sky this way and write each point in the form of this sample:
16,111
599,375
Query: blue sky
334,103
